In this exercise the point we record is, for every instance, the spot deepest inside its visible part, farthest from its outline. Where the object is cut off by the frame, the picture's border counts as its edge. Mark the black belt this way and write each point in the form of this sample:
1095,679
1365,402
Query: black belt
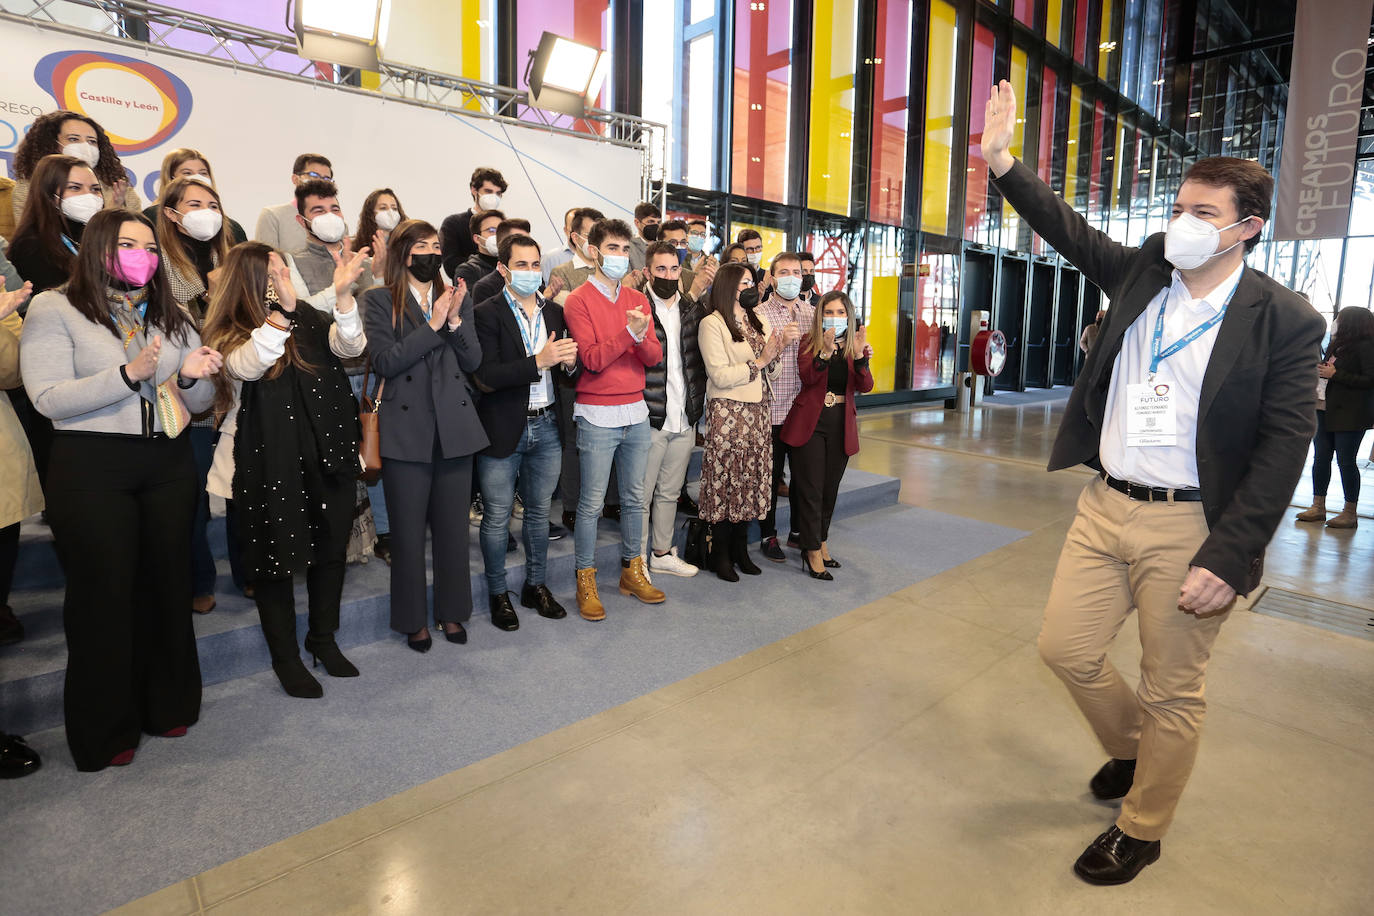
1151,494
536,414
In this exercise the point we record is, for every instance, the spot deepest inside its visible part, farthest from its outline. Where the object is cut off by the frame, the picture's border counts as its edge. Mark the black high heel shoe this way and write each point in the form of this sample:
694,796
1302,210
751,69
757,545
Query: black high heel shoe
822,575
459,635
296,680
334,661
830,563
420,645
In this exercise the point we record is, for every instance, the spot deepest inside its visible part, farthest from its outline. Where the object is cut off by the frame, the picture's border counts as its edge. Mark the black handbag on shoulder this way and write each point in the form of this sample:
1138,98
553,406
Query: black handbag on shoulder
698,546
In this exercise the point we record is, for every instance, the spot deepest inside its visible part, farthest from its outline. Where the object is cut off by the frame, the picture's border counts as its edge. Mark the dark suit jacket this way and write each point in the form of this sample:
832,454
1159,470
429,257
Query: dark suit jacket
490,284
1257,410
1350,392
801,421
506,374
428,392
455,240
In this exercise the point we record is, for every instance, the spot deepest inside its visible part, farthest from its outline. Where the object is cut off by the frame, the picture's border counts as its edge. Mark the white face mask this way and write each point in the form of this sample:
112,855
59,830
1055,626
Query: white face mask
82,207
328,227
388,219
203,179
753,257
1190,242
88,153
489,201
202,225
490,246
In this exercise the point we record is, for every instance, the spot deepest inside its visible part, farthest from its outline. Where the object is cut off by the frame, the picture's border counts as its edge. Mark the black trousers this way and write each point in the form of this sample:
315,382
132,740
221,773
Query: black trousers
817,468
9,555
121,509
433,496
276,597
769,526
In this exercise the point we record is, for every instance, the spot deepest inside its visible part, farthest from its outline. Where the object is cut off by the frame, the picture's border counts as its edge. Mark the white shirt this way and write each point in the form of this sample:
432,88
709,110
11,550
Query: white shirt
670,319
423,298
541,392
1172,466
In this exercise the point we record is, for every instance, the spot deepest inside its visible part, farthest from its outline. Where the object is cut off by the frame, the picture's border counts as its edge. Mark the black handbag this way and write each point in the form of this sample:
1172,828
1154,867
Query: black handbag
698,547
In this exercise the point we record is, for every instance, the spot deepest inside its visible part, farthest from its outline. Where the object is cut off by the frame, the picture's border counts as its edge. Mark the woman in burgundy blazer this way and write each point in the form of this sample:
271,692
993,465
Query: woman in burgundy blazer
821,427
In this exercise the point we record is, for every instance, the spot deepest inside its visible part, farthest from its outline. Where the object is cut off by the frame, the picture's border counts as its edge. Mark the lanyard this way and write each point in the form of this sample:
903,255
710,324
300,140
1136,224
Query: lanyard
1156,357
528,333
68,242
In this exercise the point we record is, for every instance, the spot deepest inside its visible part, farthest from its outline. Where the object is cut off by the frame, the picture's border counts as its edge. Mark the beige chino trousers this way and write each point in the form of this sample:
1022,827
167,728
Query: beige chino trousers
1121,554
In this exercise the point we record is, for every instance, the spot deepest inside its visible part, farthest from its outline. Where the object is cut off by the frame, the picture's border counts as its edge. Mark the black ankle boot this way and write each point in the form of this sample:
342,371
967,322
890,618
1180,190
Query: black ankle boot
739,550
721,562
325,649
296,680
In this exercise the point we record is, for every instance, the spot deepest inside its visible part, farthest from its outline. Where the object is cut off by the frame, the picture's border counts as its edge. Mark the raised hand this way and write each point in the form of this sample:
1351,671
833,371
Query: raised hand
10,302
771,349
999,129
201,363
637,321
791,334
118,192
703,278
569,351
554,288
348,267
378,254
829,347
144,365
281,281
861,340
443,307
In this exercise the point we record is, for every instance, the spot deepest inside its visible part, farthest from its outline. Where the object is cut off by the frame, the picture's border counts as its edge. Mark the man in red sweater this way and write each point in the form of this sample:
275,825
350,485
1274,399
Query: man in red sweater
613,327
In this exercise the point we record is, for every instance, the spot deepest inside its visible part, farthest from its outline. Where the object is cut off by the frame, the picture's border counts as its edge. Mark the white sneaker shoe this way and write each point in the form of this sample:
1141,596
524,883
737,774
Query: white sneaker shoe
670,564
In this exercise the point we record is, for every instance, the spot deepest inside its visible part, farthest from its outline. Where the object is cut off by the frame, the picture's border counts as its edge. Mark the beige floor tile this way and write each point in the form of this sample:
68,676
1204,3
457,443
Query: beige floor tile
179,899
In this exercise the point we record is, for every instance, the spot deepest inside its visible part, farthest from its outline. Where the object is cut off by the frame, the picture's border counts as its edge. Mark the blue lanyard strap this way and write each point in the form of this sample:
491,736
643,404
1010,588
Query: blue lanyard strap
68,242
529,333
1157,357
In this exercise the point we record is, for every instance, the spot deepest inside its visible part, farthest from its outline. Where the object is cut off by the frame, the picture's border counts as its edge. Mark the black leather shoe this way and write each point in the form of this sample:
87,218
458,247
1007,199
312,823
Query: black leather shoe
831,563
420,645
296,680
686,505
1115,858
570,520
11,630
770,549
17,758
1113,780
382,549
327,650
503,613
823,575
557,532
458,636
539,598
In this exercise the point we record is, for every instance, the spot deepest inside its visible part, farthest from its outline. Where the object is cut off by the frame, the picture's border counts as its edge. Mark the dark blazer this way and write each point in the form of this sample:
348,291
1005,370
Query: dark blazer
1350,392
506,374
428,391
693,366
1257,410
473,269
488,285
455,240
801,420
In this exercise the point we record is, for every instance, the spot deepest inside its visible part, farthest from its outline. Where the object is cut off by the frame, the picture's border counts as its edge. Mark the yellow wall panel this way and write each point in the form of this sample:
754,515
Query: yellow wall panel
832,105
882,331
939,126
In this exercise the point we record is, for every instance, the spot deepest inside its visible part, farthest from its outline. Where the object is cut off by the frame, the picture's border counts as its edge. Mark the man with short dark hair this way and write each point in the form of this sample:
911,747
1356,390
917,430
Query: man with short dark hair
698,231
1195,407
674,232
315,265
808,265
277,225
492,283
784,310
564,254
752,243
483,261
647,218
456,233
579,269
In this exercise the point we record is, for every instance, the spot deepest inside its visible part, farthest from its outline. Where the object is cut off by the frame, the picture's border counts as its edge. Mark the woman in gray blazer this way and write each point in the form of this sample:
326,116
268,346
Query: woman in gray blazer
422,342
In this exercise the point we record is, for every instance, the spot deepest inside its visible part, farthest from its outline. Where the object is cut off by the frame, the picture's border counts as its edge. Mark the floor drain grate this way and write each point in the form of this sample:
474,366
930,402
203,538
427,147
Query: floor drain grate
1341,618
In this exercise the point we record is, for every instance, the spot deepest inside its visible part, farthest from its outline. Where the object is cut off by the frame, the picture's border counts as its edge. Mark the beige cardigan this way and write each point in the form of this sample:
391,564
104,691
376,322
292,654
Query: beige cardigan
20,495
727,375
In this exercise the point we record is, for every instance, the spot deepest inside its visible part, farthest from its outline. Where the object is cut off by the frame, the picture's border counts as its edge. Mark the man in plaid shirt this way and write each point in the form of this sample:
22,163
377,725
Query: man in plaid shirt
785,311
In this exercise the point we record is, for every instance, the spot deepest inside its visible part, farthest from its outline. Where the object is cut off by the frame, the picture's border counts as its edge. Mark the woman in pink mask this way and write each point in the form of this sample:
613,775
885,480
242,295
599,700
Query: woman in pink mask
118,367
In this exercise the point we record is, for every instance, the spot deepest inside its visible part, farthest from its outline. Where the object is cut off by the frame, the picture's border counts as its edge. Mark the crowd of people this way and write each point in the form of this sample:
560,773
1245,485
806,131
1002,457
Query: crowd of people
494,378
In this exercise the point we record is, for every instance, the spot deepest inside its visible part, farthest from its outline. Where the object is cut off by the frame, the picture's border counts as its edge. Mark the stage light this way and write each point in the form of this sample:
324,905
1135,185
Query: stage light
350,33
565,76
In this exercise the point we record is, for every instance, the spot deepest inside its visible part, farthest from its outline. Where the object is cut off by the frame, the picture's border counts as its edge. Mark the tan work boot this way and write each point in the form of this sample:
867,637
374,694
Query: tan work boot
588,601
1347,518
633,581
1316,513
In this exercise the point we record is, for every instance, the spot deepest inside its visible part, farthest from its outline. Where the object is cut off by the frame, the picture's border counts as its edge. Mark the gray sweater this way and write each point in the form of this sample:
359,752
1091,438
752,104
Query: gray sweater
71,370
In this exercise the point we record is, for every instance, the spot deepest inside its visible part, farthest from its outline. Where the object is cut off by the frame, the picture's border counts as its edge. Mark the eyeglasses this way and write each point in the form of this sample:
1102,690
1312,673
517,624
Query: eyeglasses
317,175
697,235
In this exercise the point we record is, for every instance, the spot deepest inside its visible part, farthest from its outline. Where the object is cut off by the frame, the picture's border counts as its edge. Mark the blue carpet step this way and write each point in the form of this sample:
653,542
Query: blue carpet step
230,642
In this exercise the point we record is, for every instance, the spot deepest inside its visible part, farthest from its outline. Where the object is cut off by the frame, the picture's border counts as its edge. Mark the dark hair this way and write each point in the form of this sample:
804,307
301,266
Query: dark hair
612,228
807,256
367,220
41,141
315,187
482,216
482,174
747,235
724,292
304,159
1250,184
672,225
512,224
658,248
396,275
725,255
513,240
645,210
91,277
1353,324
781,257
697,222
169,237
41,220
581,214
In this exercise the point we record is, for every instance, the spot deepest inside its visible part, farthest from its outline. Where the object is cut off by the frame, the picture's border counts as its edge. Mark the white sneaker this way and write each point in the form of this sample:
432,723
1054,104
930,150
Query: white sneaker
671,565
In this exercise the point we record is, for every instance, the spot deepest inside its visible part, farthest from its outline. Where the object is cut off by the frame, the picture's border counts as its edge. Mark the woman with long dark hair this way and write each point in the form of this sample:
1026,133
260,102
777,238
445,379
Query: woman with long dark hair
70,134
189,163
739,350
382,213
65,194
423,344
288,449
1345,412
117,365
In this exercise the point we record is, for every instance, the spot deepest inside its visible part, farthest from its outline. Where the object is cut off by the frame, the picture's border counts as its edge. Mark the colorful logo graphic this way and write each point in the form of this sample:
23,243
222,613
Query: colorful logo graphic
140,105
1161,390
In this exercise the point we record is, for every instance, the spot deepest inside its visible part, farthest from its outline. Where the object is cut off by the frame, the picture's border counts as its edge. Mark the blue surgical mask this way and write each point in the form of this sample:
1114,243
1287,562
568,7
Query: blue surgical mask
615,266
695,243
682,255
526,282
839,324
789,287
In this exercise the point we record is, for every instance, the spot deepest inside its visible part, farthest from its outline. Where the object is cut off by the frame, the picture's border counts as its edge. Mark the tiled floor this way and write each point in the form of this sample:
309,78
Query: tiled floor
911,756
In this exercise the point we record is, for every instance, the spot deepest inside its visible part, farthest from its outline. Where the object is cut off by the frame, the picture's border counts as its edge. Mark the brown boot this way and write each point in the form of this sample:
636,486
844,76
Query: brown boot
588,601
1317,512
634,582
1347,518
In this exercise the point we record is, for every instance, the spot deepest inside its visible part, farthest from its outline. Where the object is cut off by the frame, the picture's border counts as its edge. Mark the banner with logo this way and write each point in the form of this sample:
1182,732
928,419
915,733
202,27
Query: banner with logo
1321,128
252,125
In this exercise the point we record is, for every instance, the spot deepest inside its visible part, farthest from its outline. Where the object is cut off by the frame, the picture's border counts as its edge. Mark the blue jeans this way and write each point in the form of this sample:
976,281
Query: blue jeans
1344,445
536,462
598,448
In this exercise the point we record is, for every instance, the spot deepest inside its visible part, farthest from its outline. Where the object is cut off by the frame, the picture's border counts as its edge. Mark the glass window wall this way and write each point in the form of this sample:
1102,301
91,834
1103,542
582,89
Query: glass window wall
762,92
831,154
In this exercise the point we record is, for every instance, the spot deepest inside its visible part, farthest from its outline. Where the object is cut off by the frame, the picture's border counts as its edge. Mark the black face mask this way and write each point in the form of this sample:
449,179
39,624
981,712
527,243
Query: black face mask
665,288
650,232
425,267
749,298
808,282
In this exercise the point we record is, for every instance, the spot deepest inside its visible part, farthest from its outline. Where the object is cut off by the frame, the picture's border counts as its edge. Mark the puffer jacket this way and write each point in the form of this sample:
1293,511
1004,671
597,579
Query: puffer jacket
693,367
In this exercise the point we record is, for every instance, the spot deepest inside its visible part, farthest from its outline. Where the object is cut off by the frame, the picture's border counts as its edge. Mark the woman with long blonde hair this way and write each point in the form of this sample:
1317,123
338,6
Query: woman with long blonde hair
288,449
